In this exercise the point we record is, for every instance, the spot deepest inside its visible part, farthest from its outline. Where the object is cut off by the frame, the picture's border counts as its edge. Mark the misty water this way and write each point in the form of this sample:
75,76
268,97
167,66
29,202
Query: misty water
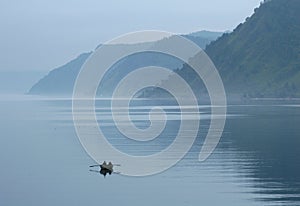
43,163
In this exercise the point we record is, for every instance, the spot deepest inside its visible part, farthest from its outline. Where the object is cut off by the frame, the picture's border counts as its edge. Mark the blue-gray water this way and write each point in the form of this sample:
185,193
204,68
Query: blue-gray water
42,161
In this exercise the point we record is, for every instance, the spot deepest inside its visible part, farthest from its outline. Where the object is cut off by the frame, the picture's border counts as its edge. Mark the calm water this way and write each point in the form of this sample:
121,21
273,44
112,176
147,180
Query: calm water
257,161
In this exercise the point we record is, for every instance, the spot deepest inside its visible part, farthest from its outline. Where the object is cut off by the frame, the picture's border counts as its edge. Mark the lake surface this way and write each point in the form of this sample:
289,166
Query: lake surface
257,161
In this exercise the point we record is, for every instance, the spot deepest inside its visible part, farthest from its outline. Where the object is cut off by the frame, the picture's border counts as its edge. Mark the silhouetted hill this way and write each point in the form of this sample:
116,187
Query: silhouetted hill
60,81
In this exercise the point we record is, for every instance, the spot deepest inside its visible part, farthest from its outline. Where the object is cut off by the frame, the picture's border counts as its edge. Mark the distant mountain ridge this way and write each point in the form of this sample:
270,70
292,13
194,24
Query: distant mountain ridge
206,34
60,81
259,58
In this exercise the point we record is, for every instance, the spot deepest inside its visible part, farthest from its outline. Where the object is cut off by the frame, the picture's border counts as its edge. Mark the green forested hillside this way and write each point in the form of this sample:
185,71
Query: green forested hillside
261,57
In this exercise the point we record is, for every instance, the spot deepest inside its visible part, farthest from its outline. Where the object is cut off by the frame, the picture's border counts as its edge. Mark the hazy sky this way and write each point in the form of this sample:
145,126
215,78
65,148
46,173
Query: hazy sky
42,35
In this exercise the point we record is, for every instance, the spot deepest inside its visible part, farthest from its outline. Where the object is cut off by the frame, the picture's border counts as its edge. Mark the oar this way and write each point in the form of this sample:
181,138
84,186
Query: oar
94,171
95,165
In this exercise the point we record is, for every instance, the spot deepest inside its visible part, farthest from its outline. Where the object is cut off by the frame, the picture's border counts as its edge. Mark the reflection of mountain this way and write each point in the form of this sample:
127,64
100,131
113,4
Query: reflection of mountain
268,139
60,81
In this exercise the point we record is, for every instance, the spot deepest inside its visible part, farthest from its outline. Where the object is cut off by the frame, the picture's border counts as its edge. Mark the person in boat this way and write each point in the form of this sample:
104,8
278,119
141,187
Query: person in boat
104,168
